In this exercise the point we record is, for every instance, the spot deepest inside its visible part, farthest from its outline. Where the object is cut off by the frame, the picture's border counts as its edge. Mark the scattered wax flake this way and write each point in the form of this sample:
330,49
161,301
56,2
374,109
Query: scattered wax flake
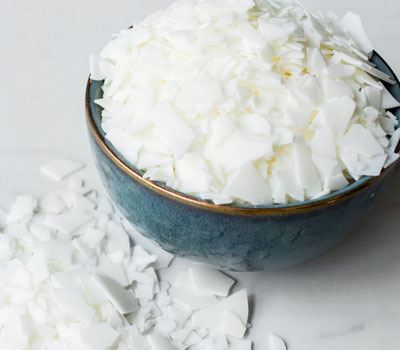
38,266
121,298
114,271
191,299
57,249
237,303
231,325
52,203
158,342
16,332
229,316
59,169
209,280
22,209
276,342
73,302
67,222
99,335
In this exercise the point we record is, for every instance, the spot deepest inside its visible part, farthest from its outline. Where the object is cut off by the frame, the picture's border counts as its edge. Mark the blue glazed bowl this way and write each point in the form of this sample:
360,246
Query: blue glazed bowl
234,237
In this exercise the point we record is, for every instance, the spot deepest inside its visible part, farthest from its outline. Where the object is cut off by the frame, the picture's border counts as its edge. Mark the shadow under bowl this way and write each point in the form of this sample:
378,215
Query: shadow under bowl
235,237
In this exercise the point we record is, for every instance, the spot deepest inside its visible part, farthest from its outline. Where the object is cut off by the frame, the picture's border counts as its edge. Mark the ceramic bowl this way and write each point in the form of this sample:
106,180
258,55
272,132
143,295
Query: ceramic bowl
231,236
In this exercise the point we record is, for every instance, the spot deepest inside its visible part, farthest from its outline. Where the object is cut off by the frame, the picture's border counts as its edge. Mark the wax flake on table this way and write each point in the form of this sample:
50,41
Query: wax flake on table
59,169
74,270
209,280
276,342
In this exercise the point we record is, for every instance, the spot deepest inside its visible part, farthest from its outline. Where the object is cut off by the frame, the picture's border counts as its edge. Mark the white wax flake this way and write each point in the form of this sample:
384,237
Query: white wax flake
310,90
316,61
352,22
67,222
95,71
105,206
336,88
304,167
73,302
219,320
52,203
69,279
255,123
91,237
229,316
337,114
295,112
22,209
114,271
191,299
199,94
360,140
125,143
158,342
340,70
38,267
209,280
59,169
92,291
99,335
191,172
239,344
238,149
231,325
82,248
323,143
57,249
180,136
247,184
275,342
117,239
16,332
82,203
394,140
272,32
121,298
237,303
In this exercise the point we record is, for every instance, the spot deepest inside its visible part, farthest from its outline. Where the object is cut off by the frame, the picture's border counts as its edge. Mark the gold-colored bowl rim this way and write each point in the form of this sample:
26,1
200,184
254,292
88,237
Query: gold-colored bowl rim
207,205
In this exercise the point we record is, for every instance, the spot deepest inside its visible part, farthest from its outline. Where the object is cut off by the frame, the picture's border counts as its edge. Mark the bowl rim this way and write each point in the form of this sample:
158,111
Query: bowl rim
309,205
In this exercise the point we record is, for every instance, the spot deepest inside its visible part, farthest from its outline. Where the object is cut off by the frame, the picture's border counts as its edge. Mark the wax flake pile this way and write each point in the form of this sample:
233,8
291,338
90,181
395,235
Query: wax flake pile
247,102
71,280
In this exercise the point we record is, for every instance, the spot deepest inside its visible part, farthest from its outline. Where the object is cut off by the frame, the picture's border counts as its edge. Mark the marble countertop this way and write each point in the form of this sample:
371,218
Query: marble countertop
347,299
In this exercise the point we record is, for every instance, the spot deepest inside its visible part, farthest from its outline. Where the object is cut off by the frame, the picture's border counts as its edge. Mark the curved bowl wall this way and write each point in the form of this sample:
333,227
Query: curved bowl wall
236,238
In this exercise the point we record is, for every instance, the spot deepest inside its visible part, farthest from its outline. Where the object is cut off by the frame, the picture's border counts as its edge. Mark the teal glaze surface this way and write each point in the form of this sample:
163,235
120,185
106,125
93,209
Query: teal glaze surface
235,241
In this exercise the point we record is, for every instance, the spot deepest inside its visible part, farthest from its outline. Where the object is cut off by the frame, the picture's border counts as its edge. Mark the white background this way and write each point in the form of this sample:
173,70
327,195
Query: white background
348,299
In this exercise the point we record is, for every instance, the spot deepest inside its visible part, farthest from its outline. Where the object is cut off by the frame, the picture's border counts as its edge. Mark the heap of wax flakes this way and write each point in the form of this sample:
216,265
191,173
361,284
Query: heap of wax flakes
71,280
244,101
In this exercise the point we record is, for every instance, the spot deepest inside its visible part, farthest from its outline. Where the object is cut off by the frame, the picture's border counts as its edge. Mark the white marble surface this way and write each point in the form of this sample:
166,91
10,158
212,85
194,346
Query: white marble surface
347,299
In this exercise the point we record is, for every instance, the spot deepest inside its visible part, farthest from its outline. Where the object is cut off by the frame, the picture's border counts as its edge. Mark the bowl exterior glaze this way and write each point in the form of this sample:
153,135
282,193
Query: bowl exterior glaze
241,241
